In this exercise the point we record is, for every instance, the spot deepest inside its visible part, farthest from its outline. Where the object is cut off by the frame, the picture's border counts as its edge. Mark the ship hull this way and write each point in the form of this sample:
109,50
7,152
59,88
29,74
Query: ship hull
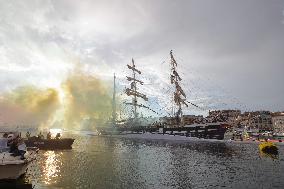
213,131
13,166
12,172
207,131
52,144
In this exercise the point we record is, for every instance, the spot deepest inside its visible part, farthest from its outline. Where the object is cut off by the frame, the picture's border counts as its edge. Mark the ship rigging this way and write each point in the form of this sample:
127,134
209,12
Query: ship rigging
133,90
179,97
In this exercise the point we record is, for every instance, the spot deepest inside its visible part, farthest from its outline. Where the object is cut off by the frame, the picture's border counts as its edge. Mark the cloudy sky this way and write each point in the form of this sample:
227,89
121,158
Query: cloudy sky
230,53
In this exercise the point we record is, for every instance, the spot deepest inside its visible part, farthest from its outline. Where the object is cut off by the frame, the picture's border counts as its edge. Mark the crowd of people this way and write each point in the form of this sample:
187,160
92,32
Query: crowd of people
41,136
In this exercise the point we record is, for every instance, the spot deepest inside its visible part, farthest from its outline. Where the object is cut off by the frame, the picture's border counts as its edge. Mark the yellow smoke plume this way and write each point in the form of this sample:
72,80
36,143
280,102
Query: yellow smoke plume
87,99
28,105
82,102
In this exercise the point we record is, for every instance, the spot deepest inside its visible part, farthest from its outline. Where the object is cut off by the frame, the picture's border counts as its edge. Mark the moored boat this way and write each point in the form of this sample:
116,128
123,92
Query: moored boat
268,148
13,168
14,161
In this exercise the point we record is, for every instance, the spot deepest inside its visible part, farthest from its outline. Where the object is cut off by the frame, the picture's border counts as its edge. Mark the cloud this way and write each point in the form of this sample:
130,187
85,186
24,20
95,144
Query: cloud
238,45
29,46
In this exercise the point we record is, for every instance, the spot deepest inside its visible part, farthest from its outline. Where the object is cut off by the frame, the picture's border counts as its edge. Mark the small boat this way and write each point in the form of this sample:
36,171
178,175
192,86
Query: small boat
53,141
268,148
49,144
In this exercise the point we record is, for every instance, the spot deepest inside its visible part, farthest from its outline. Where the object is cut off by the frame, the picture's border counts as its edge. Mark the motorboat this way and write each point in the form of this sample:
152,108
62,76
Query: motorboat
12,165
53,141
49,144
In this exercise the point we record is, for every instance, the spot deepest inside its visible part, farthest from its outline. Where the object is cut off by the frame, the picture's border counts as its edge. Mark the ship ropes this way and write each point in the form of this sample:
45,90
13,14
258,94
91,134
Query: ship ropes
133,91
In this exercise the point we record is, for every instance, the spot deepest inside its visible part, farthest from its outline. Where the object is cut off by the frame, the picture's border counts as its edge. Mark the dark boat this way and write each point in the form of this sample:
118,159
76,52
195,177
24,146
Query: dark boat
207,131
50,144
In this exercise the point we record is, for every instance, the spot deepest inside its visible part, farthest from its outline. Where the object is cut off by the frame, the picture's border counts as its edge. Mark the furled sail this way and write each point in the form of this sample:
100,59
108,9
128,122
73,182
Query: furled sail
179,95
132,91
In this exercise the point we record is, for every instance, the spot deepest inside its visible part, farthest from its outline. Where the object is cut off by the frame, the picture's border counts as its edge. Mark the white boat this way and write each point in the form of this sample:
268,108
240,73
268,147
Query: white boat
11,166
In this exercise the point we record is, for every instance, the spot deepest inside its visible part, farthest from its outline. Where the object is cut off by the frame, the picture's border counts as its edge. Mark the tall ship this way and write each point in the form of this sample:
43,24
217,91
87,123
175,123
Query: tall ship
134,121
175,124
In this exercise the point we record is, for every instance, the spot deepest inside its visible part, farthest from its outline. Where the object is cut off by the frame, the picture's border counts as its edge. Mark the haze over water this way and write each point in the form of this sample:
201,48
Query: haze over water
104,162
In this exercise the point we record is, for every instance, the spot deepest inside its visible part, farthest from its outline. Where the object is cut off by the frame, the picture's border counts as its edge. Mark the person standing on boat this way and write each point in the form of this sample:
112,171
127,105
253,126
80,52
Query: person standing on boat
22,148
28,135
48,136
5,135
40,135
4,143
58,135
12,142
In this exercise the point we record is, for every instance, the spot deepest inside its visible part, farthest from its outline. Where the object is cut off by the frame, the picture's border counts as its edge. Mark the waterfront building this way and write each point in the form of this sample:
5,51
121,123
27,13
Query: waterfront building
278,122
229,116
191,119
186,120
227,113
260,120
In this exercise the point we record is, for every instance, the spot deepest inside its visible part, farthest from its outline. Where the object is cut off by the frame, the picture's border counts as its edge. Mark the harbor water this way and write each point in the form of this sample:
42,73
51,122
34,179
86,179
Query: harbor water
107,162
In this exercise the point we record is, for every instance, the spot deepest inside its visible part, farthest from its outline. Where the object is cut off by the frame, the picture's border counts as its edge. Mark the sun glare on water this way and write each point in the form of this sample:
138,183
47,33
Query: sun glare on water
51,167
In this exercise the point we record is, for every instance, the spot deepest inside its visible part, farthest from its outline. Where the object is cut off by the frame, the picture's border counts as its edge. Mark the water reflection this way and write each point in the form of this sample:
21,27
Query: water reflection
100,162
51,167
211,148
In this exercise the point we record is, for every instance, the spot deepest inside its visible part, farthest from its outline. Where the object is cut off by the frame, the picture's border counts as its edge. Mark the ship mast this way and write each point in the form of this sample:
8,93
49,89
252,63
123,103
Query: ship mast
132,91
179,96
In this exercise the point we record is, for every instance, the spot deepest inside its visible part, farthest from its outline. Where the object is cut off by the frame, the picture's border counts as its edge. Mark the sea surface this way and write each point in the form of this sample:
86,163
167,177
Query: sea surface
106,162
